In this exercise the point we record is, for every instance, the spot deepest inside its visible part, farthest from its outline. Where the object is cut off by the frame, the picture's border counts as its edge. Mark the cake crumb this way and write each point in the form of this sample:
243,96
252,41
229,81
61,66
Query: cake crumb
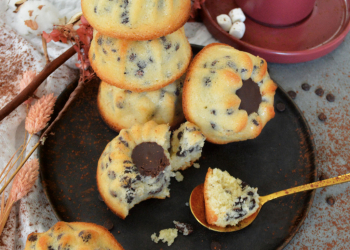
179,177
166,235
196,165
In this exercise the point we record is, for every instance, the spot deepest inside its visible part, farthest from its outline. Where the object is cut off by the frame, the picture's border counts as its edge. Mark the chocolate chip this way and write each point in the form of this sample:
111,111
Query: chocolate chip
121,139
108,224
179,135
319,92
104,51
132,57
120,105
229,111
151,59
141,64
255,122
322,117
118,59
213,112
32,238
139,73
213,125
280,107
215,245
93,56
179,154
85,236
243,70
250,193
95,9
59,236
167,46
100,197
330,201
207,81
253,203
231,64
243,185
184,228
112,175
50,248
214,62
126,161
292,94
177,47
128,91
305,86
158,190
99,41
330,97
129,197
113,193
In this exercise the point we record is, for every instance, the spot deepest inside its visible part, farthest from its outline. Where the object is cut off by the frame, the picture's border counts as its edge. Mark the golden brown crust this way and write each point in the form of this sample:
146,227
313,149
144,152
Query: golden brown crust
146,30
209,213
168,109
112,63
63,233
246,66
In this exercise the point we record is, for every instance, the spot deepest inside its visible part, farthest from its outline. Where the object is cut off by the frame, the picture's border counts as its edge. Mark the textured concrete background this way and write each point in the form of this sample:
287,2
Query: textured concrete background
327,226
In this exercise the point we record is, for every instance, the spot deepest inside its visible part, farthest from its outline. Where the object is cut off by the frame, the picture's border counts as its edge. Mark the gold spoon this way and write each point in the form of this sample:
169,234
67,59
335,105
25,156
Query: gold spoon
198,209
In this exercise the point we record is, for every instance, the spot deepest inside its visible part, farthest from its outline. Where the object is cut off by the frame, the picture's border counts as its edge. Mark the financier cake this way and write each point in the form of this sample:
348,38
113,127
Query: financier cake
228,94
135,166
73,236
121,108
136,19
140,65
228,200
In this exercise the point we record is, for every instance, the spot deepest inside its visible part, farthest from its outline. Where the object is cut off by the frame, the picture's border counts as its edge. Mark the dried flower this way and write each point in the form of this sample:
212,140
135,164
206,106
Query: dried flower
24,180
39,114
28,76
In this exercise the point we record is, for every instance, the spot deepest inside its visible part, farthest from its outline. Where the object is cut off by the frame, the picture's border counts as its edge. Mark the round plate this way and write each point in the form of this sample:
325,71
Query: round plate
281,157
317,35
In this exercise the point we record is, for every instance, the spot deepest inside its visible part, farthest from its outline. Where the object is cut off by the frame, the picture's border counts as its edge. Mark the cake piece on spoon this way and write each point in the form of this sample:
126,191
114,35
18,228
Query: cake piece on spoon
228,200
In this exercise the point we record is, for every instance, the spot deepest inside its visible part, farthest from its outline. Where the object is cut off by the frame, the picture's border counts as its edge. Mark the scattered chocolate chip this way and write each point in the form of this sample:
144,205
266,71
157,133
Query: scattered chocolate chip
319,92
100,197
229,111
207,81
213,125
95,9
250,193
213,112
330,201
292,94
280,107
139,73
322,117
112,175
177,47
215,245
214,62
108,224
179,135
184,228
32,238
255,122
243,70
330,97
132,57
113,193
305,86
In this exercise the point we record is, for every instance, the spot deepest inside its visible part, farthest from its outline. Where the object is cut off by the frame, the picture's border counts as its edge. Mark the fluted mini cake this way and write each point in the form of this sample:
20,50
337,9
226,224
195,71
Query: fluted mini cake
73,236
136,19
121,108
228,200
228,94
140,65
135,166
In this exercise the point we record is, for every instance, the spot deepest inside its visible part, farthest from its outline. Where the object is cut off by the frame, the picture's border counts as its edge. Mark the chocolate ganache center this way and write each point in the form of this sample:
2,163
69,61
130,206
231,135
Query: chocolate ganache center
149,158
250,96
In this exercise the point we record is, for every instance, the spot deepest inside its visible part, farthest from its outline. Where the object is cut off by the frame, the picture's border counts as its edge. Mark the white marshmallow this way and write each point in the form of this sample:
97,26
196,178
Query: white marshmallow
237,15
237,30
224,21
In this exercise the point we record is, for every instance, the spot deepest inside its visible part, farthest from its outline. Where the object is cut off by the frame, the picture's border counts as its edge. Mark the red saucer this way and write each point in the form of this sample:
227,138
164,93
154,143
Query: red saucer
317,35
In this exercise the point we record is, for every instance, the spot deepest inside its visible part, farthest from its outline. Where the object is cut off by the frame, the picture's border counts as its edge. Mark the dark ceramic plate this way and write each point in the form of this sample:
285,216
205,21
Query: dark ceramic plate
315,36
283,156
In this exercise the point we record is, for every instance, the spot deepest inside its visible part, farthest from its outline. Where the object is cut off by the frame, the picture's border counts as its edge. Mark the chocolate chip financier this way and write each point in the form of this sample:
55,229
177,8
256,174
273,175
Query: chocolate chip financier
135,166
228,94
73,236
140,65
121,108
136,19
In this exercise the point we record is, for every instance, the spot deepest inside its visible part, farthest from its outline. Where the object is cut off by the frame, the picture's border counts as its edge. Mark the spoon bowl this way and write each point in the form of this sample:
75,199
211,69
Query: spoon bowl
197,204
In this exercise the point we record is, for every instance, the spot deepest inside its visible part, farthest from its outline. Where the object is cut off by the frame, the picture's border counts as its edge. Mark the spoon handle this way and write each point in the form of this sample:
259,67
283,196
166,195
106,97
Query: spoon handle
318,184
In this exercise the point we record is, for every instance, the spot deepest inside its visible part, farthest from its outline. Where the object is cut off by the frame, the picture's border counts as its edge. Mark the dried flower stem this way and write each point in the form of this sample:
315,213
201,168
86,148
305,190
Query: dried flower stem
13,164
19,167
45,49
6,214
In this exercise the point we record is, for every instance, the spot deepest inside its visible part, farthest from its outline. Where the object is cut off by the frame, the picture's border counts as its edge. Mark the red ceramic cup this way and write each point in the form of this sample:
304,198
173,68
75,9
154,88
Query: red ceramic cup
277,12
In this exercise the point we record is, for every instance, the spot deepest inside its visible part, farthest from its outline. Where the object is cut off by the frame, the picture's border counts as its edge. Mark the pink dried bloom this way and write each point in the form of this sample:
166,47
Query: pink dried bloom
39,114
24,180
28,76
